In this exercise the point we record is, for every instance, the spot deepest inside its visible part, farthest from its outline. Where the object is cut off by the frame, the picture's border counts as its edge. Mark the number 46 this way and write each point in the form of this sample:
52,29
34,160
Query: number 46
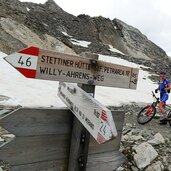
27,62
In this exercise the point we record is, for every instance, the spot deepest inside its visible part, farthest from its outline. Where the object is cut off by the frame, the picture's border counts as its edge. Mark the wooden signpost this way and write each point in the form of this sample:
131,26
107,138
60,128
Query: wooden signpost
42,64
80,138
94,117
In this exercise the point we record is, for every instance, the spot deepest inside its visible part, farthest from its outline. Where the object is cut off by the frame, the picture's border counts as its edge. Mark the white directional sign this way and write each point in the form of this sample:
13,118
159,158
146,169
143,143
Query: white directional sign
95,117
42,64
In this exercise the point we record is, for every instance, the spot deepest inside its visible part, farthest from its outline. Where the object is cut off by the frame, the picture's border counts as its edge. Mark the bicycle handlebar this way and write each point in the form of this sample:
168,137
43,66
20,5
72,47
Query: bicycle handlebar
155,96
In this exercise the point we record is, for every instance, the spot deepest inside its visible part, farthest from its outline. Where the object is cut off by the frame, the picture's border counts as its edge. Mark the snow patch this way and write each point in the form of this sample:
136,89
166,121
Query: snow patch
28,9
80,42
42,93
115,50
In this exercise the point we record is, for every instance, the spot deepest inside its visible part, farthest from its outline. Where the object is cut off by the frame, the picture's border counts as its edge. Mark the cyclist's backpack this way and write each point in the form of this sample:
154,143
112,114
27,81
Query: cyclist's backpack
165,84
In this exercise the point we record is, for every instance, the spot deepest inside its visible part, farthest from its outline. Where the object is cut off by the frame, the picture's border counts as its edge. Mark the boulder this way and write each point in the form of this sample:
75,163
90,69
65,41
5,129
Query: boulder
145,154
169,168
157,166
158,139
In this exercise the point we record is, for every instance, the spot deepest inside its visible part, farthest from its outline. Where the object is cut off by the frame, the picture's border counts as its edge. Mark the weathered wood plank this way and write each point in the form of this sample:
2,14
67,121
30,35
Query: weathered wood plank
29,122
108,161
24,150
51,152
56,165
118,117
111,145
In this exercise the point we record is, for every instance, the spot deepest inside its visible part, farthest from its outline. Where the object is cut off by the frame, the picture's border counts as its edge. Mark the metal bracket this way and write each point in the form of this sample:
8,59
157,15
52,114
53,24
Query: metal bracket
81,158
83,136
81,161
93,63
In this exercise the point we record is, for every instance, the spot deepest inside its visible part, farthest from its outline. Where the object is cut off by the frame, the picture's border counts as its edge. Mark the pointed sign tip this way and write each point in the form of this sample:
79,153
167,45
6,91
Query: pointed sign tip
4,58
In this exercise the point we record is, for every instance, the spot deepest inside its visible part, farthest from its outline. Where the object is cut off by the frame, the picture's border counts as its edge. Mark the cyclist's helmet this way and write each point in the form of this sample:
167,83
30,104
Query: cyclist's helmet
162,73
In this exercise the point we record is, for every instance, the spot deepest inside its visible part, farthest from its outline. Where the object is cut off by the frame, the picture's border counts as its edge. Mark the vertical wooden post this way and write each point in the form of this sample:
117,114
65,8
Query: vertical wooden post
80,136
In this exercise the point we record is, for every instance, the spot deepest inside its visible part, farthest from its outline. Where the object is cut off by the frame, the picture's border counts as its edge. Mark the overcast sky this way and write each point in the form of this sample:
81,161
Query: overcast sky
151,17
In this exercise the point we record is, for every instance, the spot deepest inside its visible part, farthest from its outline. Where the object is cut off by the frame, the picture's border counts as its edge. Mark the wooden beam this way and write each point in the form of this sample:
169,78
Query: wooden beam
56,165
108,161
25,150
80,136
31,122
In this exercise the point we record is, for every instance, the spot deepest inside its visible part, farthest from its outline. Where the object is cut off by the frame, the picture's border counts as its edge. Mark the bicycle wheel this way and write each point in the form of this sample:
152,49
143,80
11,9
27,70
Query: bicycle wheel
146,114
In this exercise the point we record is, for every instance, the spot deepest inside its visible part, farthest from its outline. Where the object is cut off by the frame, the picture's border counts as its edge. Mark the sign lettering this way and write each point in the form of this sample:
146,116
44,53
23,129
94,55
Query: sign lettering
96,118
42,64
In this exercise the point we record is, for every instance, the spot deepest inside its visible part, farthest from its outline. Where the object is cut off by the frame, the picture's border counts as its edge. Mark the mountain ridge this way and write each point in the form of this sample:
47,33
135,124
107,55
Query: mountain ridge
53,26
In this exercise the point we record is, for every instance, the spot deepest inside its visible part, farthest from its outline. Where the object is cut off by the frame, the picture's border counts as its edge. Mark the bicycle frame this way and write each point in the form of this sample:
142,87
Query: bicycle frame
155,103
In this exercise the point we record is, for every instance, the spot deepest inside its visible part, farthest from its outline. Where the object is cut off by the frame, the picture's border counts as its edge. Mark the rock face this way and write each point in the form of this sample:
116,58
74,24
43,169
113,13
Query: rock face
135,142
49,18
48,26
134,42
157,166
20,34
158,139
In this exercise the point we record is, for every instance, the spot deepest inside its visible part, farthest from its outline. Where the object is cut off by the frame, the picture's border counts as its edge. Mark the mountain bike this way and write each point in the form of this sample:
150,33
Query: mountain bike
148,112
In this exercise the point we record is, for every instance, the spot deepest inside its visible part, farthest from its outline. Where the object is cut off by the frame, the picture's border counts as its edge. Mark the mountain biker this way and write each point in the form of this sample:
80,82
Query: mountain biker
164,88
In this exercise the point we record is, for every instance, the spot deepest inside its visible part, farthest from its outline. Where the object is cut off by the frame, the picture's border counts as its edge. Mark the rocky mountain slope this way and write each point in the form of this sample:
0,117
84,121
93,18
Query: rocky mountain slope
49,27
147,147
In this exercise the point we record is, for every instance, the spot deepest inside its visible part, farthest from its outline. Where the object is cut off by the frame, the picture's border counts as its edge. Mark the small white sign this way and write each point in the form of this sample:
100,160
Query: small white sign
95,117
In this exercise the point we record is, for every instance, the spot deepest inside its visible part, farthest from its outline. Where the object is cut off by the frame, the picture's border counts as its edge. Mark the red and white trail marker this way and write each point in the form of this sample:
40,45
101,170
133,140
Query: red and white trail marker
47,65
25,61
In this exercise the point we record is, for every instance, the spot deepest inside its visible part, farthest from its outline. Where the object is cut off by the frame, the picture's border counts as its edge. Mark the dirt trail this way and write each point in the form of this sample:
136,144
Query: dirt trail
153,125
